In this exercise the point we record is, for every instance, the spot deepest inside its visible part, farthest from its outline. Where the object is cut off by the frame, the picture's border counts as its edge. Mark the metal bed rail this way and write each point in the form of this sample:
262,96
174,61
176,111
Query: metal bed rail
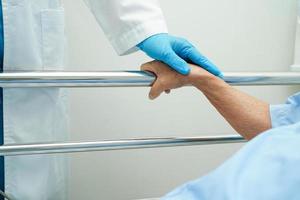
131,79
123,79
106,145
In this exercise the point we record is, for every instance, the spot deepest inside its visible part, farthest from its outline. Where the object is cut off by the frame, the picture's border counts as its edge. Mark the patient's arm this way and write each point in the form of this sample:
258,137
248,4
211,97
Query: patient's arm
246,114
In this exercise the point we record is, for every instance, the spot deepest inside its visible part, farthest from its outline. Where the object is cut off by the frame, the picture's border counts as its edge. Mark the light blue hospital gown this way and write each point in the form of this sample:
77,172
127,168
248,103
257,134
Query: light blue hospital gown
266,168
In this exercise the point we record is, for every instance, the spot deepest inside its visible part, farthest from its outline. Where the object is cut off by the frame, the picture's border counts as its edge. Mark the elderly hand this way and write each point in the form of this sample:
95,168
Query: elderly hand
168,79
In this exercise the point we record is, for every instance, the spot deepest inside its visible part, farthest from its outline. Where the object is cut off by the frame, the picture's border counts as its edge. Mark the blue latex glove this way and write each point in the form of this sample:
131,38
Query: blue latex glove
176,52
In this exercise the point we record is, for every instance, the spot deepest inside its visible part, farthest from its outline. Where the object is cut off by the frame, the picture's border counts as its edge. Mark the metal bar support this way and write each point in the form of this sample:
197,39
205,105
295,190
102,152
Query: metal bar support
123,79
107,145
130,79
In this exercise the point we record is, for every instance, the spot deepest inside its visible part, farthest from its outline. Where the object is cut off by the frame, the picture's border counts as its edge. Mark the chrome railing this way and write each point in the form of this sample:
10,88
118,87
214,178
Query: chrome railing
138,143
123,79
131,79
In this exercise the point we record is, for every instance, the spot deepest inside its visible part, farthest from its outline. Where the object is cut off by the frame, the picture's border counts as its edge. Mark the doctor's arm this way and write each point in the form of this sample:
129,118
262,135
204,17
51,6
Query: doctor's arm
132,25
246,114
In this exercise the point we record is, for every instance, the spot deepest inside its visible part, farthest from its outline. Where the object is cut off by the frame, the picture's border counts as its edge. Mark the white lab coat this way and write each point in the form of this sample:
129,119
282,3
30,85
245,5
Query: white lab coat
34,40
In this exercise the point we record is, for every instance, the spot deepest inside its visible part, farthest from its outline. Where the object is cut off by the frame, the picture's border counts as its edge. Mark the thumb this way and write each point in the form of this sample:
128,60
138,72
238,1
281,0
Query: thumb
156,90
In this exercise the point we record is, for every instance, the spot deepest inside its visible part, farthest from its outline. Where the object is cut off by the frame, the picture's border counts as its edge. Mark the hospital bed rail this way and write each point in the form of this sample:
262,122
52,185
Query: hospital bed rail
35,79
106,145
130,79
45,79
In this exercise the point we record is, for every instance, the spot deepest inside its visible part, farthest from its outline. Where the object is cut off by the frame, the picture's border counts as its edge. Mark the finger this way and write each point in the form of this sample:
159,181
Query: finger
156,90
197,58
177,63
149,67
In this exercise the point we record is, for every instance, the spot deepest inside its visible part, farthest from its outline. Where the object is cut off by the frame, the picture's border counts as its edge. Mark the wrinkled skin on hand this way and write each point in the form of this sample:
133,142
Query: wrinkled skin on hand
168,79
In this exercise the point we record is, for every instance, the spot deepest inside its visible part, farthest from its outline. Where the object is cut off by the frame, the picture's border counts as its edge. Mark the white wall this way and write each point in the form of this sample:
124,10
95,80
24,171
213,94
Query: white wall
238,35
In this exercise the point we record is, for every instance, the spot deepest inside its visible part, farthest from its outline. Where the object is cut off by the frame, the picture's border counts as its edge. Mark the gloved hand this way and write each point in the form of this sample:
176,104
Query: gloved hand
176,52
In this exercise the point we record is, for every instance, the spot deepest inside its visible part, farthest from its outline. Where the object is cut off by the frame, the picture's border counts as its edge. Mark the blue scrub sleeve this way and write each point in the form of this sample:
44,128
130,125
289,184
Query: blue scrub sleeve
266,168
286,114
